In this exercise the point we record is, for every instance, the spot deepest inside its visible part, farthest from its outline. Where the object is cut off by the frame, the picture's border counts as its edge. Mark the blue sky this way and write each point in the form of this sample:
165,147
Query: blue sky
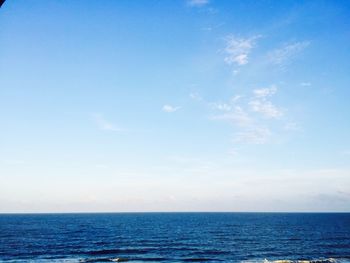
174,106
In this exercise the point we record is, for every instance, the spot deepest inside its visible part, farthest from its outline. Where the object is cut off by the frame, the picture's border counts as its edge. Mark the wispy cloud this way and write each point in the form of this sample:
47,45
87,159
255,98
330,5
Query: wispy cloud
255,135
235,98
197,3
266,108
251,116
261,104
221,106
286,53
237,49
292,126
196,96
212,27
170,109
236,116
265,92
104,124
305,84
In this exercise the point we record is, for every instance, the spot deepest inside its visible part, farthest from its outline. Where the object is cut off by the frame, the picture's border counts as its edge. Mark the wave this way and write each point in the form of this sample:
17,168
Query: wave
161,259
116,251
104,260
158,259
329,260
322,260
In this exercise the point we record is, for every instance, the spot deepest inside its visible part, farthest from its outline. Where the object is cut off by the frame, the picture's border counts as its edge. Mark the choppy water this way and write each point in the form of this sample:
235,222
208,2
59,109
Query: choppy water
175,237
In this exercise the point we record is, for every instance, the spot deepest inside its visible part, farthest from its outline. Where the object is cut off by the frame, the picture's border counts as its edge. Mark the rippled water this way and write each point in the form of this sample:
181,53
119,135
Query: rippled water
175,237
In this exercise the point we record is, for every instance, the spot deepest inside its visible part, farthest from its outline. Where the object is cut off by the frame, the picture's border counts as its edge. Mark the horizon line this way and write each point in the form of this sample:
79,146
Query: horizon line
180,212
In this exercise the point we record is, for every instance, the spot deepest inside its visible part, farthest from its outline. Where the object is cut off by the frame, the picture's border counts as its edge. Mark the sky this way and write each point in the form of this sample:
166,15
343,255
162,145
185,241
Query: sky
162,105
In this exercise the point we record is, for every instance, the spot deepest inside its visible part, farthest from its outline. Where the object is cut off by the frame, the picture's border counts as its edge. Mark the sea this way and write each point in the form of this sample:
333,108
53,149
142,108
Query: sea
176,237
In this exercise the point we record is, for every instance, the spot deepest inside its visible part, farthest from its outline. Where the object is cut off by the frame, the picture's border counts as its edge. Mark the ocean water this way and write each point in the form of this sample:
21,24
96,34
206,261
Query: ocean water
175,237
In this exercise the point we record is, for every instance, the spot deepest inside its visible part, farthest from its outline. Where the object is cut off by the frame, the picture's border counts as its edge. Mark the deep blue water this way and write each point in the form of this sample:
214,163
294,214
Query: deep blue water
174,237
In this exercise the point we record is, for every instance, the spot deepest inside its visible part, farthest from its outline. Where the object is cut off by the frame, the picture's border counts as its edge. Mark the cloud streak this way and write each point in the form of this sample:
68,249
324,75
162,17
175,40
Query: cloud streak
237,116
266,108
170,109
262,105
305,84
265,92
254,135
286,53
251,116
104,124
197,3
237,49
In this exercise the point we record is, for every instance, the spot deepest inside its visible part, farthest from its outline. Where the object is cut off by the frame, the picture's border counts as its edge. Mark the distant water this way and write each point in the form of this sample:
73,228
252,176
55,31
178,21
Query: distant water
175,237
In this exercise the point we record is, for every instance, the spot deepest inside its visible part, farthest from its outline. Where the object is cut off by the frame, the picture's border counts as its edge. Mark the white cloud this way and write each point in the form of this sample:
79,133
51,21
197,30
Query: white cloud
196,96
262,105
169,108
103,124
236,98
212,27
207,28
236,116
241,59
292,126
265,92
233,152
238,49
266,108
256,135
247,129
286,53
305,84
221,106
252,117
197,3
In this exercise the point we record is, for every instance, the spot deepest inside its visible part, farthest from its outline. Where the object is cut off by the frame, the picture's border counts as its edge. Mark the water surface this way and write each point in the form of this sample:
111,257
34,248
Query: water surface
174,237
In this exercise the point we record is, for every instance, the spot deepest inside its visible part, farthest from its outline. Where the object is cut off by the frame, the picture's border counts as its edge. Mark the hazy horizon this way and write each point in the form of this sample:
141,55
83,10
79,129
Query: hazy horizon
174,106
